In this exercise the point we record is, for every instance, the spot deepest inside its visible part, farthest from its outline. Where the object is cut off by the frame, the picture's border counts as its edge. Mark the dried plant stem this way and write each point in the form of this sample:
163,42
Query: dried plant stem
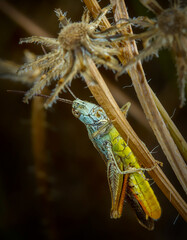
105,99
147,101
176,135
38,123
38,119
121,98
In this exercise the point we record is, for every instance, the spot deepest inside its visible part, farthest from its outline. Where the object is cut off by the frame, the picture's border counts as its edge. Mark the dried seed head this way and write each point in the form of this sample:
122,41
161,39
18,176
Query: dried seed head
172,21
69,53
168,30
73,35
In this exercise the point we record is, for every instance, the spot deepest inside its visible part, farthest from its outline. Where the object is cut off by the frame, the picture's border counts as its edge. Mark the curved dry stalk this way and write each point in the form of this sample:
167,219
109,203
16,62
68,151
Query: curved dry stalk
105,99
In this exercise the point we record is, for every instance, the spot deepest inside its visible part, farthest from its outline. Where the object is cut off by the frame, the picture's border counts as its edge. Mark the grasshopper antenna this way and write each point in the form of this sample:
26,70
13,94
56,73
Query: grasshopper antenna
41,95
71,92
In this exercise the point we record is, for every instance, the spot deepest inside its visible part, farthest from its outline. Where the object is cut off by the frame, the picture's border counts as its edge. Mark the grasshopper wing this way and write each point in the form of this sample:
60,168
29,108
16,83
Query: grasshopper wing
143,219
117,184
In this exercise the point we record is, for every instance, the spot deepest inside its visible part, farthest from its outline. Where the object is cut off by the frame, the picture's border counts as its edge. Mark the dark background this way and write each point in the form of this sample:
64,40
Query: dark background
78,190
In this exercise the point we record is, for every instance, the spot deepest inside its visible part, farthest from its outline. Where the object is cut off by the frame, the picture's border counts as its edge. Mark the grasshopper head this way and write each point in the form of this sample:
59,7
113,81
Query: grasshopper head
88,113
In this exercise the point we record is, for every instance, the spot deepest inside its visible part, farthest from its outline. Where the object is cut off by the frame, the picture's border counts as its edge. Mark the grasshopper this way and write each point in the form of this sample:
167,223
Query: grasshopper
125,176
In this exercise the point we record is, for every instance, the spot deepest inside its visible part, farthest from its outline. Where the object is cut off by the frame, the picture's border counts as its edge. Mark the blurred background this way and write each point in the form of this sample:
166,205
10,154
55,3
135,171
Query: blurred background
63,193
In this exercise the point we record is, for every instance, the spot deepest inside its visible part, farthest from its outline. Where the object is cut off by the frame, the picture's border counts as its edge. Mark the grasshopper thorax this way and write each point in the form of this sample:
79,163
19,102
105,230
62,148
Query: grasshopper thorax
89,113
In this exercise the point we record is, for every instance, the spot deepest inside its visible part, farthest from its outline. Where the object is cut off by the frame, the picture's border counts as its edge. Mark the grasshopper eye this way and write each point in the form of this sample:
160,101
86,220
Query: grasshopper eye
76,113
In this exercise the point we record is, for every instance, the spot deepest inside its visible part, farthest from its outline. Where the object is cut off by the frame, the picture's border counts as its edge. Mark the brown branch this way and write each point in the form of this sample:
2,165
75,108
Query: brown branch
105,99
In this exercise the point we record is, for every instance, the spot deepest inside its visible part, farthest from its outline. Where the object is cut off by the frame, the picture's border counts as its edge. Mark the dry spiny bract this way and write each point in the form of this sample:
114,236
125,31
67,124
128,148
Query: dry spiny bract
8,70
68,51
168,30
